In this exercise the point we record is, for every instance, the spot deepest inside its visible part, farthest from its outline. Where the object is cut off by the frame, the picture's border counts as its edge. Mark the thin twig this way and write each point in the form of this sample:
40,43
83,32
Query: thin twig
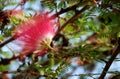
110,61
74,17
77,13
88,74
23,72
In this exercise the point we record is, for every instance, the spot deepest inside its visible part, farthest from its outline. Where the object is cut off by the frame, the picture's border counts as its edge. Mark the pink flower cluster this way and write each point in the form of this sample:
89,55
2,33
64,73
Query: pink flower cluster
35,34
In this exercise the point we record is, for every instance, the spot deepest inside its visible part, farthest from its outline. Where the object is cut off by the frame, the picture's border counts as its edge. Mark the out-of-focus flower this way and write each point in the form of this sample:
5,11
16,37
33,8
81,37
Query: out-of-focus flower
35,34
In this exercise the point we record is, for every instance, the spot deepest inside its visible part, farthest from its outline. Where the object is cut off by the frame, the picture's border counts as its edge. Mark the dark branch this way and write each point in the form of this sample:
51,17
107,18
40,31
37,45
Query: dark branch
8,60
108,64
74,17
7,41
67,9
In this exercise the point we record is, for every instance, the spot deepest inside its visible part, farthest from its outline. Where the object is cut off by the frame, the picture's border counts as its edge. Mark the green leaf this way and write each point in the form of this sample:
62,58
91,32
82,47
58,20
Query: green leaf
4,68
1,37
60,5
104,48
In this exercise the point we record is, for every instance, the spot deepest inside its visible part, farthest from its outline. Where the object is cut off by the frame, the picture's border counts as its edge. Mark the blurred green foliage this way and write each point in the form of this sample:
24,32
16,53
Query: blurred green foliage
99,24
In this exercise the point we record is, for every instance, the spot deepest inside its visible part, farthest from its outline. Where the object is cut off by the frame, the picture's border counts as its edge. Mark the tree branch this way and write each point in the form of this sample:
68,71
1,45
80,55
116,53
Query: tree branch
77,13
109,63
66,9
8,60
7,41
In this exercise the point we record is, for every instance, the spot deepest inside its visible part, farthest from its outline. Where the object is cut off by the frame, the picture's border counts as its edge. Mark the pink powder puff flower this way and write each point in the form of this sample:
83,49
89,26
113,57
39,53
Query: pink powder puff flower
35,35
